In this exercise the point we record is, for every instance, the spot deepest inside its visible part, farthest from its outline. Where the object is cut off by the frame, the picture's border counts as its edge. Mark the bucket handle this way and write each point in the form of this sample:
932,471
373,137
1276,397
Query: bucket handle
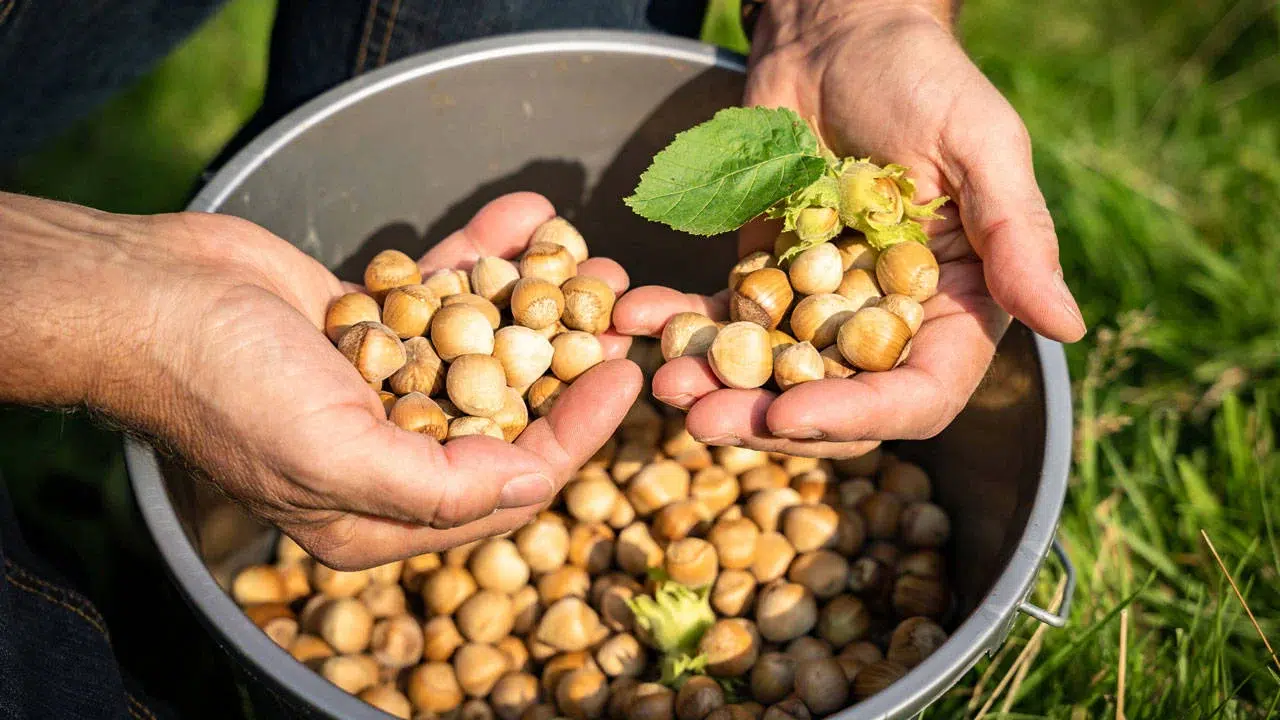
1058,619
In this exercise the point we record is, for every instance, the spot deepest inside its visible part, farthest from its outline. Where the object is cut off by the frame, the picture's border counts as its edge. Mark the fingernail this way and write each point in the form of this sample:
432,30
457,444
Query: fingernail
677,401
1064,294
800,434
524,491
732,440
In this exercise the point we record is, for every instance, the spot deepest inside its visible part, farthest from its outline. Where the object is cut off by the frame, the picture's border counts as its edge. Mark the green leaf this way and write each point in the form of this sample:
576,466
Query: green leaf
718,176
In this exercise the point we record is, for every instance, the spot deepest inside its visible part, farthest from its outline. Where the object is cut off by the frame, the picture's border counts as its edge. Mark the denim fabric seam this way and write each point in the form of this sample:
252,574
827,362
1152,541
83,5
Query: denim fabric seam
135,702
39,593
6,9
363,53
83,603
386,38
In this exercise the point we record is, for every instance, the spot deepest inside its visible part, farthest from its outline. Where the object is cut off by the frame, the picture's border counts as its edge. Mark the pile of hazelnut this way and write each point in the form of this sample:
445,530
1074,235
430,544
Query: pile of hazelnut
835,309
470,353
800,585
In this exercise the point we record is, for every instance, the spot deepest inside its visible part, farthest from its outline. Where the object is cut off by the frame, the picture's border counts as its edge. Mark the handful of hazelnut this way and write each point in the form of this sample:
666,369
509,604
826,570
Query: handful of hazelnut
837,308
471,353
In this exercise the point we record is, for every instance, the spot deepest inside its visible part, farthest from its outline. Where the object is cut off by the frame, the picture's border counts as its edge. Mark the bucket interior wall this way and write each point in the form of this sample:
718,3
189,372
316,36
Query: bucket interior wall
410,163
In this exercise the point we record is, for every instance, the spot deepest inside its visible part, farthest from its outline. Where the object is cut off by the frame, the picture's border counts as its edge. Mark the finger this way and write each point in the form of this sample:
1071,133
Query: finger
738,418
1009,227
584,417
683,381
501,228
355,541
646,310
948,358
615,345
607,270
401,475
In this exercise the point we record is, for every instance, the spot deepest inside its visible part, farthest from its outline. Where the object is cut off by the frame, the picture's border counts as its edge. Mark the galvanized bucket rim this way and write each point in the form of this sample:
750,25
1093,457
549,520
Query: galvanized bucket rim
981,632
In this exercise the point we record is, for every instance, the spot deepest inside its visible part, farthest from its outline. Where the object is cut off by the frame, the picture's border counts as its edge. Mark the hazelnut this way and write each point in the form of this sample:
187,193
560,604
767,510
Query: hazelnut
911,312
844,620
347,310
374,349
574,353
817,319
461,329
761,297
822,686
856,253
924,596
875,677
773,556
447,282
433,687
692,562
834,365
908,268
536,303
468,425
418,413
741,356
488,309
422,372
859,287
561,232
492,279
548,261
408,310
797,364
924,525
688,333
731,647
588,304
914,640
543,393
824,572
874,339
735,542
397,641
785,611
733,592
817,270
477,384
389,269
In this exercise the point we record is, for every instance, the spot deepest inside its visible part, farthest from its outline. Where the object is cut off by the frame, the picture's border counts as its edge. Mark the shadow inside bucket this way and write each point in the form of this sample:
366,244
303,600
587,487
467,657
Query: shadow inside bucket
645,248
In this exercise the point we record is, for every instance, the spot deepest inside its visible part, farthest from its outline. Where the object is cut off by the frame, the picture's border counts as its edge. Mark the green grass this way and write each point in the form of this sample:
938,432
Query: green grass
1159,153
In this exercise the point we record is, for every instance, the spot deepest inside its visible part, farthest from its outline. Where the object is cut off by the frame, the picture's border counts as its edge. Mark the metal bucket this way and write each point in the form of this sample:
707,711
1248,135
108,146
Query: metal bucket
404,155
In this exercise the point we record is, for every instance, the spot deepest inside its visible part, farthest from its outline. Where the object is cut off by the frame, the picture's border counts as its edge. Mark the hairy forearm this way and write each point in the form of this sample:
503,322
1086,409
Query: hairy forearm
58,314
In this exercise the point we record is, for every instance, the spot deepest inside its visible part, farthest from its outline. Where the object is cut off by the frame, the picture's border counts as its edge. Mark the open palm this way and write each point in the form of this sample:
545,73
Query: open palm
891,83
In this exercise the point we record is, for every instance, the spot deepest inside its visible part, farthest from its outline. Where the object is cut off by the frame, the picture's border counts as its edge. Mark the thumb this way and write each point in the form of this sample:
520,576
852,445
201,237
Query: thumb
1009,227
407,476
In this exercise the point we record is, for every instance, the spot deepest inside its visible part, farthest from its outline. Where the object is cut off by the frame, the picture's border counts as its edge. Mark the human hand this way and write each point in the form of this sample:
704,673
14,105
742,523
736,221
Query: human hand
204,332
888,79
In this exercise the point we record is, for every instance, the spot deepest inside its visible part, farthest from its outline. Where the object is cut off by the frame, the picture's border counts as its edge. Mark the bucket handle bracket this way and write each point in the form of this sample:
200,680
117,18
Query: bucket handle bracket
1055,619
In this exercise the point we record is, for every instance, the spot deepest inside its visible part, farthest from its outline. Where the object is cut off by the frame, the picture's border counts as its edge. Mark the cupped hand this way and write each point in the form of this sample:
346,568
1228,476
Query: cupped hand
890,81
256,397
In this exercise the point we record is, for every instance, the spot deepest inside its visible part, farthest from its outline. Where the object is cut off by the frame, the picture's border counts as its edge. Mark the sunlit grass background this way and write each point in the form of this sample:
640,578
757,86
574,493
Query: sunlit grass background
1158,148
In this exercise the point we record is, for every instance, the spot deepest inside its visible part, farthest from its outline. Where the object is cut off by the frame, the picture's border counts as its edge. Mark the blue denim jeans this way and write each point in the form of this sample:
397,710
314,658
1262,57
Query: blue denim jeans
58,61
